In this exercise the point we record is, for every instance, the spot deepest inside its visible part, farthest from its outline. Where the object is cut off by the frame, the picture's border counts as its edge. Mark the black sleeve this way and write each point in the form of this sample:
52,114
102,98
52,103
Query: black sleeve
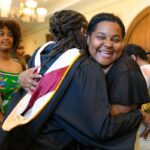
134,89
84,110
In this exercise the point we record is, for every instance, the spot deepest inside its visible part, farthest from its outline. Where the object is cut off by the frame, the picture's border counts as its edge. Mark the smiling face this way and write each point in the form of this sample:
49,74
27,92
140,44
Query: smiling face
105,42
6,39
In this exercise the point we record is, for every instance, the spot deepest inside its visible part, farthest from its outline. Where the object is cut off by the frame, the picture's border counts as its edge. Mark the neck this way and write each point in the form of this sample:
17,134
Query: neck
106,68
4,55
142,62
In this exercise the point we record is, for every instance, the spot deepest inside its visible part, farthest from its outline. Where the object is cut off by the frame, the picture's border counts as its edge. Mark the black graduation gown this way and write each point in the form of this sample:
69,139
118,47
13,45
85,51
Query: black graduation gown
126,83
81,116
126,86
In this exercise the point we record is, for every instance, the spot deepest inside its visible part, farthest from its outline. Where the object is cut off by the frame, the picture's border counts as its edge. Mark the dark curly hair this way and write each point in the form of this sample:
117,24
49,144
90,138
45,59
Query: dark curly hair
14,27
105,17
65,27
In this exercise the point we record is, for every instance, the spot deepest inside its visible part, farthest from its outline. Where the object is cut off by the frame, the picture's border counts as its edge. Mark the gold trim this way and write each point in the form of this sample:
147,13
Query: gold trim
14,119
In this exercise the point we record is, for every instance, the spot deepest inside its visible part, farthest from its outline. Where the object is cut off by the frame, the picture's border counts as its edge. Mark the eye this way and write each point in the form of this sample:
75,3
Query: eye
1,33
116,40
10,34
100,37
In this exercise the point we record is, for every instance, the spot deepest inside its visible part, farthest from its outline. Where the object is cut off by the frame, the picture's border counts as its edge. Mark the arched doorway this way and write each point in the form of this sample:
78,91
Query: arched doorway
139,30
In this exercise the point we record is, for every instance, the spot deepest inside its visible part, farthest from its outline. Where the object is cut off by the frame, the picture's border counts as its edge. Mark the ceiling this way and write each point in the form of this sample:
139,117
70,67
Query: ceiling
51,5
54,5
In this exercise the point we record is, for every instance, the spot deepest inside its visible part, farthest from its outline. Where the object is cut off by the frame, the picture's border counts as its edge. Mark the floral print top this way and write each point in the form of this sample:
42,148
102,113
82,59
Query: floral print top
8,86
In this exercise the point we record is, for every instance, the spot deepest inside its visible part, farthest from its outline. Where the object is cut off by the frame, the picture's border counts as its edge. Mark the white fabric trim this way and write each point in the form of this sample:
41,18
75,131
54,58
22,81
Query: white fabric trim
15,118
42,101
37,60
65,60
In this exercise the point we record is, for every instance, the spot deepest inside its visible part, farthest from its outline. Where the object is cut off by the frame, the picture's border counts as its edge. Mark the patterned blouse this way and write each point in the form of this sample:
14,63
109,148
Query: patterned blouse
8,86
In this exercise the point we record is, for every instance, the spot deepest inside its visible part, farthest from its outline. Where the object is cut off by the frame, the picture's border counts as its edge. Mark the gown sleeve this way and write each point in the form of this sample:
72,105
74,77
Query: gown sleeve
126,83
129,88
84,110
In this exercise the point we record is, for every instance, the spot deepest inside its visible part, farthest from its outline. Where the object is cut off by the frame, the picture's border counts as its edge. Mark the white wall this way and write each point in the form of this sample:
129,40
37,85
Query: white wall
34,39
125,9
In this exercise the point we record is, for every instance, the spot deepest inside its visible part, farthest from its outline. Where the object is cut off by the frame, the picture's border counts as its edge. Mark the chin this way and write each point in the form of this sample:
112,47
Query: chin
105,65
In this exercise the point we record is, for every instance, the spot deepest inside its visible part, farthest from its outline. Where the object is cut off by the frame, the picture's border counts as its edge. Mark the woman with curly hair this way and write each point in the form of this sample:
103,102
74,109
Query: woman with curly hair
10,67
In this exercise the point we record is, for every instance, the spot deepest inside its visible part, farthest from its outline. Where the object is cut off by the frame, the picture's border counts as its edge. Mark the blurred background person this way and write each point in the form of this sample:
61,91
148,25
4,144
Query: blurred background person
138,54
27,58
10,37
22,56
21,50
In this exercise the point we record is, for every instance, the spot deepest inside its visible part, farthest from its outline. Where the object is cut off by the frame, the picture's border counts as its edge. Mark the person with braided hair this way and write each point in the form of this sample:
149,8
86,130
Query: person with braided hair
69,105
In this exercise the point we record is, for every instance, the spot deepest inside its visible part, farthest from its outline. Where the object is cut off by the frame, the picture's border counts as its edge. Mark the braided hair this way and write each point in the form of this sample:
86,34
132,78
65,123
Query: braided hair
65,27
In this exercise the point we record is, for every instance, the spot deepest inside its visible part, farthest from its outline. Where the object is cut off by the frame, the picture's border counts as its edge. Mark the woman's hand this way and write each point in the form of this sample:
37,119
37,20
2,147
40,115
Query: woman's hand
146,131
29,79
146,120
117,109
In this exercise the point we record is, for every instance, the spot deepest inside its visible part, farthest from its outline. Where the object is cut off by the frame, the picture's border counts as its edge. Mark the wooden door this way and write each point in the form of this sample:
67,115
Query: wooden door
139,30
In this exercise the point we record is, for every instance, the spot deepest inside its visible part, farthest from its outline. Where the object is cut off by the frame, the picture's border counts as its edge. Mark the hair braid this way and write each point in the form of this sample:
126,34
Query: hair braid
65,27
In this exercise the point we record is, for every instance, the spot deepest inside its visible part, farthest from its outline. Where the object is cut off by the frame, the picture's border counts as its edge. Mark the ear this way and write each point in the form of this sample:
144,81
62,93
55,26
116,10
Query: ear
133,57
83,30
87,40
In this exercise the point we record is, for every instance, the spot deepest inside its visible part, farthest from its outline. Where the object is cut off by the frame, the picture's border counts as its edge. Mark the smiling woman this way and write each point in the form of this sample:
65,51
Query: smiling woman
105,39
10,36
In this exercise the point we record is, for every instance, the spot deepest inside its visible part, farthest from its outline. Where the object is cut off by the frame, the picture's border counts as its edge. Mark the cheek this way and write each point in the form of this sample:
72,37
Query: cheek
1,38
12,39
118,48
92,50
91,47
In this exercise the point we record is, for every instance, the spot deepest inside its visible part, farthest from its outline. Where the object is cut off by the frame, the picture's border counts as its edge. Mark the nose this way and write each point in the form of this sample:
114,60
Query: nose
108,43
6,36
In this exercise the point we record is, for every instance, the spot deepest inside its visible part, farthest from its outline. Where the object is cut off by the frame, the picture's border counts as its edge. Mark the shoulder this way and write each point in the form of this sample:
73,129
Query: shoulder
44,52
124,68
89,63
125,64
16,66
89,68
45,49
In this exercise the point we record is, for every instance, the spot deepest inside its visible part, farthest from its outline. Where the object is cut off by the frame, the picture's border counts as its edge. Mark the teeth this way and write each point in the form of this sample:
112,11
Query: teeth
105,52
5,43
